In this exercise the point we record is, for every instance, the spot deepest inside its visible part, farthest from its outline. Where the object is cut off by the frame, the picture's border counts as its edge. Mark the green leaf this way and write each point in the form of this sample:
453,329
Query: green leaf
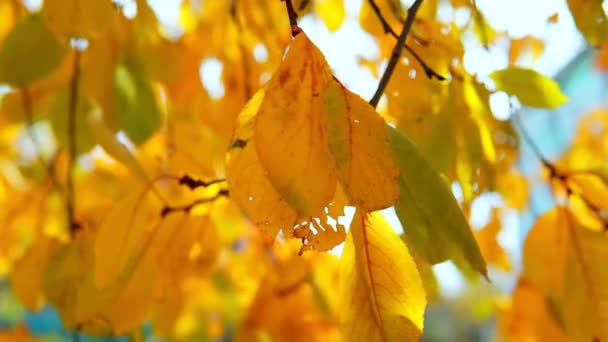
29,52
531,88
136,107
432,220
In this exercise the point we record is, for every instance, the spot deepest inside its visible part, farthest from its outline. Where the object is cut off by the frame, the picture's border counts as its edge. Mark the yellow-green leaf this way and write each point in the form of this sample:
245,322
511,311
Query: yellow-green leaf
359,145
29,52
382,297
530,87
430,214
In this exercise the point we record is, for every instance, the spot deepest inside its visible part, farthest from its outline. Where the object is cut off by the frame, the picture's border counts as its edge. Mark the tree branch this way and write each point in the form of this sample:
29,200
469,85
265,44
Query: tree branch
72,141
187,207
392,63
293,18
193,183
430,73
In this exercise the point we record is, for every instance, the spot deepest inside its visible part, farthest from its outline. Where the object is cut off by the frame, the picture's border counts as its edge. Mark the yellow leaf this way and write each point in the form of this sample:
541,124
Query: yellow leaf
531,88
553,18
332,13
26,276
284,307
247,180
288,131
521,45
119,236
359,145
491,250
590,19
382,297
566,262
528,318
513,186
430,214
79,18
130,306
484,32
591,187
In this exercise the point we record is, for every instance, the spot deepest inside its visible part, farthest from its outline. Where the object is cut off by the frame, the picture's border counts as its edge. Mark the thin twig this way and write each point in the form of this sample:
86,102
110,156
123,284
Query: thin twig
528,139
430,73
392,63
72,141
194,183
293,18
187,207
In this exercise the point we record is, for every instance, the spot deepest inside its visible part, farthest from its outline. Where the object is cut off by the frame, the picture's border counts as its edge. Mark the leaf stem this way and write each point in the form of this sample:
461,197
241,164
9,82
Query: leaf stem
72,140
392,63
293,18
430,73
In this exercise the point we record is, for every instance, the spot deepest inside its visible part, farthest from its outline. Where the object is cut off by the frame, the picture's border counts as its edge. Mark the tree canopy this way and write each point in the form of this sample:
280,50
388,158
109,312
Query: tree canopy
142,196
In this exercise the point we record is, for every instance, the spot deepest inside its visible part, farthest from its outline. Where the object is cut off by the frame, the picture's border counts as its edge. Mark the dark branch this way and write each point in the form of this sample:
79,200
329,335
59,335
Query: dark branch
411,15
193,183
187,207
71,134
293,18
430,73
528,139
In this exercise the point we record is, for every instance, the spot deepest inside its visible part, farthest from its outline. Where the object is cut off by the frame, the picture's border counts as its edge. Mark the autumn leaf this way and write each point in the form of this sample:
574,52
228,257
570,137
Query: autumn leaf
78,18
590,19
382,297
248,181
432,220
528,317
531,88
492,251
288,131
332,12
336,136
526,44
565,262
